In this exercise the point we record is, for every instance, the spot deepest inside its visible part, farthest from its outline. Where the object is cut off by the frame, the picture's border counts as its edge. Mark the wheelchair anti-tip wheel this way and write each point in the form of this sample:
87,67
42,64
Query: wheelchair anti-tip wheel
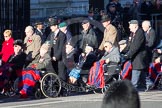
103,90
97,90
38,94
50,85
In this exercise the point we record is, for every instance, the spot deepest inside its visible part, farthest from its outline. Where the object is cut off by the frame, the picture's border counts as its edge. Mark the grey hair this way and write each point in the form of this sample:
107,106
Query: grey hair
147,22
29,28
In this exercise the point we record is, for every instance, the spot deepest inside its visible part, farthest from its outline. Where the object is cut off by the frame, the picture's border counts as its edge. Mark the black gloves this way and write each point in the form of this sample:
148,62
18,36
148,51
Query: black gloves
125,57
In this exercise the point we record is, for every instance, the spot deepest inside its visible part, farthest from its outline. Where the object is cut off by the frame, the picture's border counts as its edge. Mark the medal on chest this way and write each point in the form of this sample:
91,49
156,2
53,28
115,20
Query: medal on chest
54,41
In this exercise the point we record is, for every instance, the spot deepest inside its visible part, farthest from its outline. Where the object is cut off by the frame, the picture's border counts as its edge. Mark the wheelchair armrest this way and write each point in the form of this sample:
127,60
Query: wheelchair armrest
112,69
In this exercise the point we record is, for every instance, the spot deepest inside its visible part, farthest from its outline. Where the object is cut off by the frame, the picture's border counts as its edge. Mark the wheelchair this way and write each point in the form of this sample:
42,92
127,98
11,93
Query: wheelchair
111,73
155,72
50,85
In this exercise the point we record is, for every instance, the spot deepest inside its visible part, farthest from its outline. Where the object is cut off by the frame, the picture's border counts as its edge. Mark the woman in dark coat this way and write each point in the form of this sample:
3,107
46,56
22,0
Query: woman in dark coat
84,64
12,69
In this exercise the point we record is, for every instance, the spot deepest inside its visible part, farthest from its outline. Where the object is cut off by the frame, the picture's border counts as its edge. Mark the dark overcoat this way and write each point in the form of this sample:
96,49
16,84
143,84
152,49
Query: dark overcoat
137,50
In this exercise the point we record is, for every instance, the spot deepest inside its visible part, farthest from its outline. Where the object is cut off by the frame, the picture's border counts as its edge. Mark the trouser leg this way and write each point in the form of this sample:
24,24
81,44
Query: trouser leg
62,71
135,77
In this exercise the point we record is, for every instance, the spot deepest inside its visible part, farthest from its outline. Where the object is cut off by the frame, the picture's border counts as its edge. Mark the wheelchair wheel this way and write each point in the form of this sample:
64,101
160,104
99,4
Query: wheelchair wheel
103,90
50,85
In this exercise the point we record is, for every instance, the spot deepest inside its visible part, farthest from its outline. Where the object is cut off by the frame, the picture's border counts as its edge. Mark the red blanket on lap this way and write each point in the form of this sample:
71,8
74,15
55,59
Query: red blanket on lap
127,70
28,80
96,75
154,70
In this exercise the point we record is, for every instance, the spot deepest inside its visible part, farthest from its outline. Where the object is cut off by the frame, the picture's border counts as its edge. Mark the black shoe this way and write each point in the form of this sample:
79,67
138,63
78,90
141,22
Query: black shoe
140,89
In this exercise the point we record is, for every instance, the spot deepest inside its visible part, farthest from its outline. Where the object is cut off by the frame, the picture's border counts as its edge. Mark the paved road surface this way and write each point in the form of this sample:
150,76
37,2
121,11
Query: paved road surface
151,99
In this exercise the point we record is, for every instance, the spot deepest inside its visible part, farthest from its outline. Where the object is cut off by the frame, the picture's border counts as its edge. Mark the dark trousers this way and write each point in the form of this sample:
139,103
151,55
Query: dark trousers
60,69
139,79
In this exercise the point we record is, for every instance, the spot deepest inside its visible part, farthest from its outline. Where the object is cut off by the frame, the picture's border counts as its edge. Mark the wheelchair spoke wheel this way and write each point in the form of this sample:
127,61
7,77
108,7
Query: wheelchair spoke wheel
50,85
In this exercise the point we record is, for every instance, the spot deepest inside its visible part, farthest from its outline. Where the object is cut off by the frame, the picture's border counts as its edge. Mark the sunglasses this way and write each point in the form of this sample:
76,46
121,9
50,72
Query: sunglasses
105,46
6,36
15,46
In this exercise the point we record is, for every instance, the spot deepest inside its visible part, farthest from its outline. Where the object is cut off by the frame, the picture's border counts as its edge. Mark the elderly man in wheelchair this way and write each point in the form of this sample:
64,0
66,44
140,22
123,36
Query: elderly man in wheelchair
106,68
112,59
33,73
